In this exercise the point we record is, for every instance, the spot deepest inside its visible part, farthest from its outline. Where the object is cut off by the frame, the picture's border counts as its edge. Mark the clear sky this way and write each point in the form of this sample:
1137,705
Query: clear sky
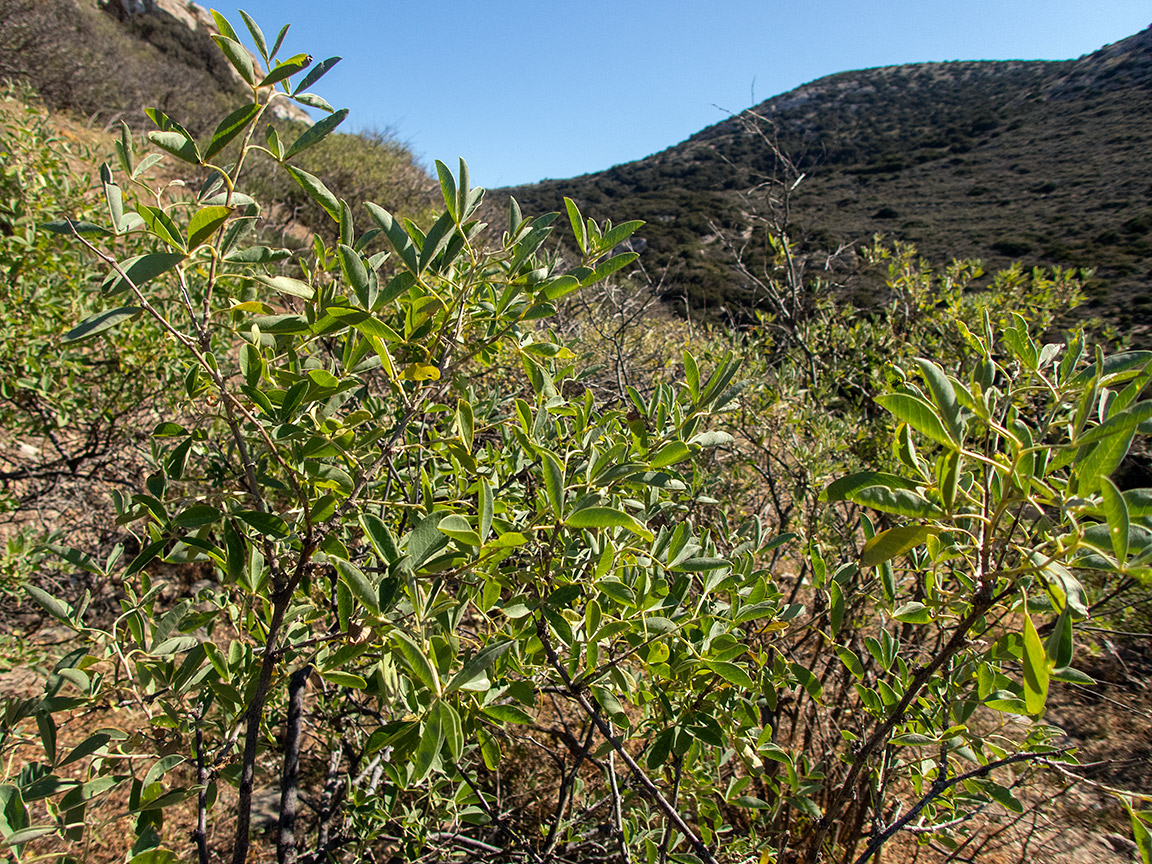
529,90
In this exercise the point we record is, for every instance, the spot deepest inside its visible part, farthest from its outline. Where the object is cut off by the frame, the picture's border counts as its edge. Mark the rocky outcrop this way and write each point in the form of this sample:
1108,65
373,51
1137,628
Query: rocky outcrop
196,17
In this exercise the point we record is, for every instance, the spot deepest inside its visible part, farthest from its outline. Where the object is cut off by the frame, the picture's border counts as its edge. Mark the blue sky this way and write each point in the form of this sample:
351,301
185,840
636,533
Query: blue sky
530,90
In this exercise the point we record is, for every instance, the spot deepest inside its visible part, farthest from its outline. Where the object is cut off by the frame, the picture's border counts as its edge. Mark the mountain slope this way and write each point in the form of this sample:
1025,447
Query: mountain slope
1047,162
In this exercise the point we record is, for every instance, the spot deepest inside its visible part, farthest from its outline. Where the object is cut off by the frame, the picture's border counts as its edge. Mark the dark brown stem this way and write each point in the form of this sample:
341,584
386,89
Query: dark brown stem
938,786
286,839
667,834
921,677
593,711
617,810
329,802
200,835
280,602
565,791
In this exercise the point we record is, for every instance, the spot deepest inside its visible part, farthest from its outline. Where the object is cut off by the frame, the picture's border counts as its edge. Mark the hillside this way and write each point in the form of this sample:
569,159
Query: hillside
101,62
1045,162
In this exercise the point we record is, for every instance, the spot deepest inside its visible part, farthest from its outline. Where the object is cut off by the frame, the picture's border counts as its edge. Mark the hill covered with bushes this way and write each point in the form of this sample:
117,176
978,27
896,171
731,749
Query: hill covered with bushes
1043,162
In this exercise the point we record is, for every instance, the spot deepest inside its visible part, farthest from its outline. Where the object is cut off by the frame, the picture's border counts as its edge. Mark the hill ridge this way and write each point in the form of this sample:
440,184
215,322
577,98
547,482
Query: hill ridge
1043,161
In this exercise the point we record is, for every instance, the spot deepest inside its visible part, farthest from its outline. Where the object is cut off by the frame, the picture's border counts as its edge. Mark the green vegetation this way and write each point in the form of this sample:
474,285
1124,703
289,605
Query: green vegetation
435,549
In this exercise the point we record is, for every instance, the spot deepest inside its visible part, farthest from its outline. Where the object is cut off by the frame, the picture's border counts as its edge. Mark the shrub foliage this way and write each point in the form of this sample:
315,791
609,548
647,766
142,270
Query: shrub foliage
457,604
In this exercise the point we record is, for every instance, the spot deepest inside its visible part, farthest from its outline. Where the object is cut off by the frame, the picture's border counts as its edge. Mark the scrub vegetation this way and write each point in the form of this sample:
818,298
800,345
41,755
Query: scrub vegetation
383,533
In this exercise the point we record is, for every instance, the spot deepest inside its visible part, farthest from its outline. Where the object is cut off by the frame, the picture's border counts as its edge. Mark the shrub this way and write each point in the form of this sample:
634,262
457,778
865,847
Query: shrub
433,550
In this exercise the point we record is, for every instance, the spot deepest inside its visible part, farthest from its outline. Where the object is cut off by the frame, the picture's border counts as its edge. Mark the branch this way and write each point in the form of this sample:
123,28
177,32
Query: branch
592,711
981,605
286,838
939,786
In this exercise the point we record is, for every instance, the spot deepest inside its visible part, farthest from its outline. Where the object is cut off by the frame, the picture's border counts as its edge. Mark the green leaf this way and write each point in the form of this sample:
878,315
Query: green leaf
229,128
1118,423
607,517
125,150
844,488
417,661
355,273
579,229
257,255
439,237
913,739
161,767
237,56
282,324
808,681
899,501
358,583
344,679
396,235
196,516
554,483
1035,662
669,454
1058,646
619,234
425,540
507,714
47,729
691,375
139,271
286,69
895,542
420,372
223,27
69,226
851,660
114,198
24,835
1140,834
179,145
161,224
316,133
607,268
731,673
314,101
447,188
205,223
316,190
1008,705
86,747
1002,796
918,414
486,508
286,285
477,666
713,438
268,524
156,856
257,36
450,725
460,529
913,613
1116,512
1073,676
943,394
97,324
317,72
380,537
175,645
1104,458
